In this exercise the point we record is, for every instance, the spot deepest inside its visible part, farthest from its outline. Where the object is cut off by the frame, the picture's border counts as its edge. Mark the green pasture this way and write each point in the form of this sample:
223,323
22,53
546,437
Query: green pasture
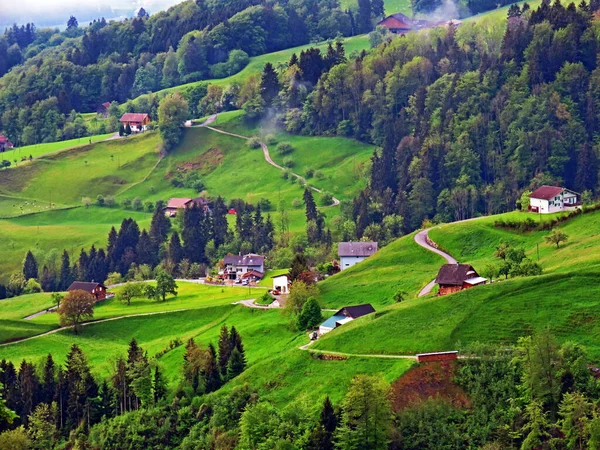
12,312
400,266
71,229
38,150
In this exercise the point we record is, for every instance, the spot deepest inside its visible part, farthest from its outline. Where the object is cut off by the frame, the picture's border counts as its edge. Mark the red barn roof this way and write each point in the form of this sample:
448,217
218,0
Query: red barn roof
106,105
397,21
134,117
546,192
178,202
3,139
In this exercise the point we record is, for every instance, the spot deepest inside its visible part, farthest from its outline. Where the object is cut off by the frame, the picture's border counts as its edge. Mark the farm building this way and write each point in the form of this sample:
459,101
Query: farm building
136,121
401,24
281,283
437,356
98,290
456,277
352,253
345,315
236,265
551,199
253,275
5,144
175,204
102,110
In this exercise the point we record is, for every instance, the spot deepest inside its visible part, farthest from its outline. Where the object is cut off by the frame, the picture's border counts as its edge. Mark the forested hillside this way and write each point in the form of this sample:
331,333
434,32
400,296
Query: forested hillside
467,119
54,73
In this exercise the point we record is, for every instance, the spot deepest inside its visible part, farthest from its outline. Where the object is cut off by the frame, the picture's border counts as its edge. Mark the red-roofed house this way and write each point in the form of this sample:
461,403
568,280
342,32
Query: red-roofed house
5,144
103,109
137,121
397,23
551,199
175,204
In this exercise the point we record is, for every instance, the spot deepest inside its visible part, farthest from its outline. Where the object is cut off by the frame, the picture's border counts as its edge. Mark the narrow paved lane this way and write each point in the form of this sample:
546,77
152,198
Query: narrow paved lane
422,238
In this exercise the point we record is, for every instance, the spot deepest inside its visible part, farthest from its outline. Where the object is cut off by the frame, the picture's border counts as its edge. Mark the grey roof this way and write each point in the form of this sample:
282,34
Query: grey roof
455,274
357,248
247,260
356,311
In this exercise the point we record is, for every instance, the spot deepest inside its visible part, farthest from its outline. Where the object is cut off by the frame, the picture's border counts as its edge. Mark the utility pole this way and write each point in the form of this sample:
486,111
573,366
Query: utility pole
538,251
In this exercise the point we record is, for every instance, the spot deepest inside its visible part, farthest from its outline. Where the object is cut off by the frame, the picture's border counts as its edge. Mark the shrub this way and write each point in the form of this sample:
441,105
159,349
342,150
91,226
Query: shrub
310,172
253,143
319,175
86,202
190,180
271,139
265,204
109,201
32,287
136,203
100,200
149,206
285,174
285,148
344,128
288,162
126,203
296,203
325,199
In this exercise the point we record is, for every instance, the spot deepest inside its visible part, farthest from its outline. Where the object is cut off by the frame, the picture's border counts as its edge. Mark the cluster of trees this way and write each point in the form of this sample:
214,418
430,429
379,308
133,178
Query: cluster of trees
46,405
132,254
514,263
54,73
466,119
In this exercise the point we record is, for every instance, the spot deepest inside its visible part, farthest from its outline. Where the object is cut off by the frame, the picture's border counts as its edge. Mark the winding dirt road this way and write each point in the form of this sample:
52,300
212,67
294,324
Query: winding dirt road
267,155
422,238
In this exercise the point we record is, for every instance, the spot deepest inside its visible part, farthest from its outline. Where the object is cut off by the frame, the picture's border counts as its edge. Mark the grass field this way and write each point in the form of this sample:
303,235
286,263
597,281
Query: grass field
71,229
400,266
38,150
13,310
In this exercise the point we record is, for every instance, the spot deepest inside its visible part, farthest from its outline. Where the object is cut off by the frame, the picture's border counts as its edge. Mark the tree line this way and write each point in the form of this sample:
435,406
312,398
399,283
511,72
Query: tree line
203,238
52,403
119,60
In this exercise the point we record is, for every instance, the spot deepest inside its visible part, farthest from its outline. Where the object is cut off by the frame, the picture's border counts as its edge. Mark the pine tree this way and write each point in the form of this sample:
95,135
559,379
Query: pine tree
311,206
377,8
82,265
159,386
159,226
219,222
28,386
30,267
48,280
212,376
269,84
236,365
80,387
175,249
48,381
364,16
145,250
224,350
194,234
65,272
106,394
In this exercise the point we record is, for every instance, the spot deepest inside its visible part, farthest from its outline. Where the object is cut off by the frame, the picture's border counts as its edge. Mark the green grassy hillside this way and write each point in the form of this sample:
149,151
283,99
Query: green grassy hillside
401,266
38,150
565,298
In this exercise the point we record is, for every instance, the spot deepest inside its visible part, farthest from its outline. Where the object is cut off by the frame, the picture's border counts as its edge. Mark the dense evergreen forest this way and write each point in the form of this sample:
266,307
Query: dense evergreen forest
466,119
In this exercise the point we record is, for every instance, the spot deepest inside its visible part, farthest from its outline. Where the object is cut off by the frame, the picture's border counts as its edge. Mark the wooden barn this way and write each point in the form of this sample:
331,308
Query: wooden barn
456,277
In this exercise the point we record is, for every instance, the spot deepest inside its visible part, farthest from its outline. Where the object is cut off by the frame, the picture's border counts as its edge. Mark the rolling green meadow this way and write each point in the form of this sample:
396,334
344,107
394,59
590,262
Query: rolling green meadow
38,150
130,168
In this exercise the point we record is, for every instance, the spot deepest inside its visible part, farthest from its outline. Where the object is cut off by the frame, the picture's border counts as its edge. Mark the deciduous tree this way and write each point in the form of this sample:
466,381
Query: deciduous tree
76,307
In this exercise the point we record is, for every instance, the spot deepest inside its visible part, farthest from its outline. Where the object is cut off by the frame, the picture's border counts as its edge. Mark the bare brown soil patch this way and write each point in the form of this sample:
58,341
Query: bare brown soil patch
429,380
204,164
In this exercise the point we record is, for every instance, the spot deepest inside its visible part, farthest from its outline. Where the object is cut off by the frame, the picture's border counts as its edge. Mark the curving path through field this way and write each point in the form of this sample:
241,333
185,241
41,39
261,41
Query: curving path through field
422,238
267,155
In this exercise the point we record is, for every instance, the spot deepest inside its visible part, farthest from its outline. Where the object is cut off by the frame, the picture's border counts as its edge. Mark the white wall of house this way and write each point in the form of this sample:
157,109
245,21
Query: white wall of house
553,205
349,261
280,284
323,330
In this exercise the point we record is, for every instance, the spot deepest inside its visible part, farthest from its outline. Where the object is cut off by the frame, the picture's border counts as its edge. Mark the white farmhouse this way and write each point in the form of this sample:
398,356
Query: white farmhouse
281,283
237,266
551,199
352,253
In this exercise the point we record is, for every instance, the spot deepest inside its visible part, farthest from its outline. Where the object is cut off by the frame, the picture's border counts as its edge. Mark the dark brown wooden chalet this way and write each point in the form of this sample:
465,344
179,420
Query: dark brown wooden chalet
98,290
456,277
